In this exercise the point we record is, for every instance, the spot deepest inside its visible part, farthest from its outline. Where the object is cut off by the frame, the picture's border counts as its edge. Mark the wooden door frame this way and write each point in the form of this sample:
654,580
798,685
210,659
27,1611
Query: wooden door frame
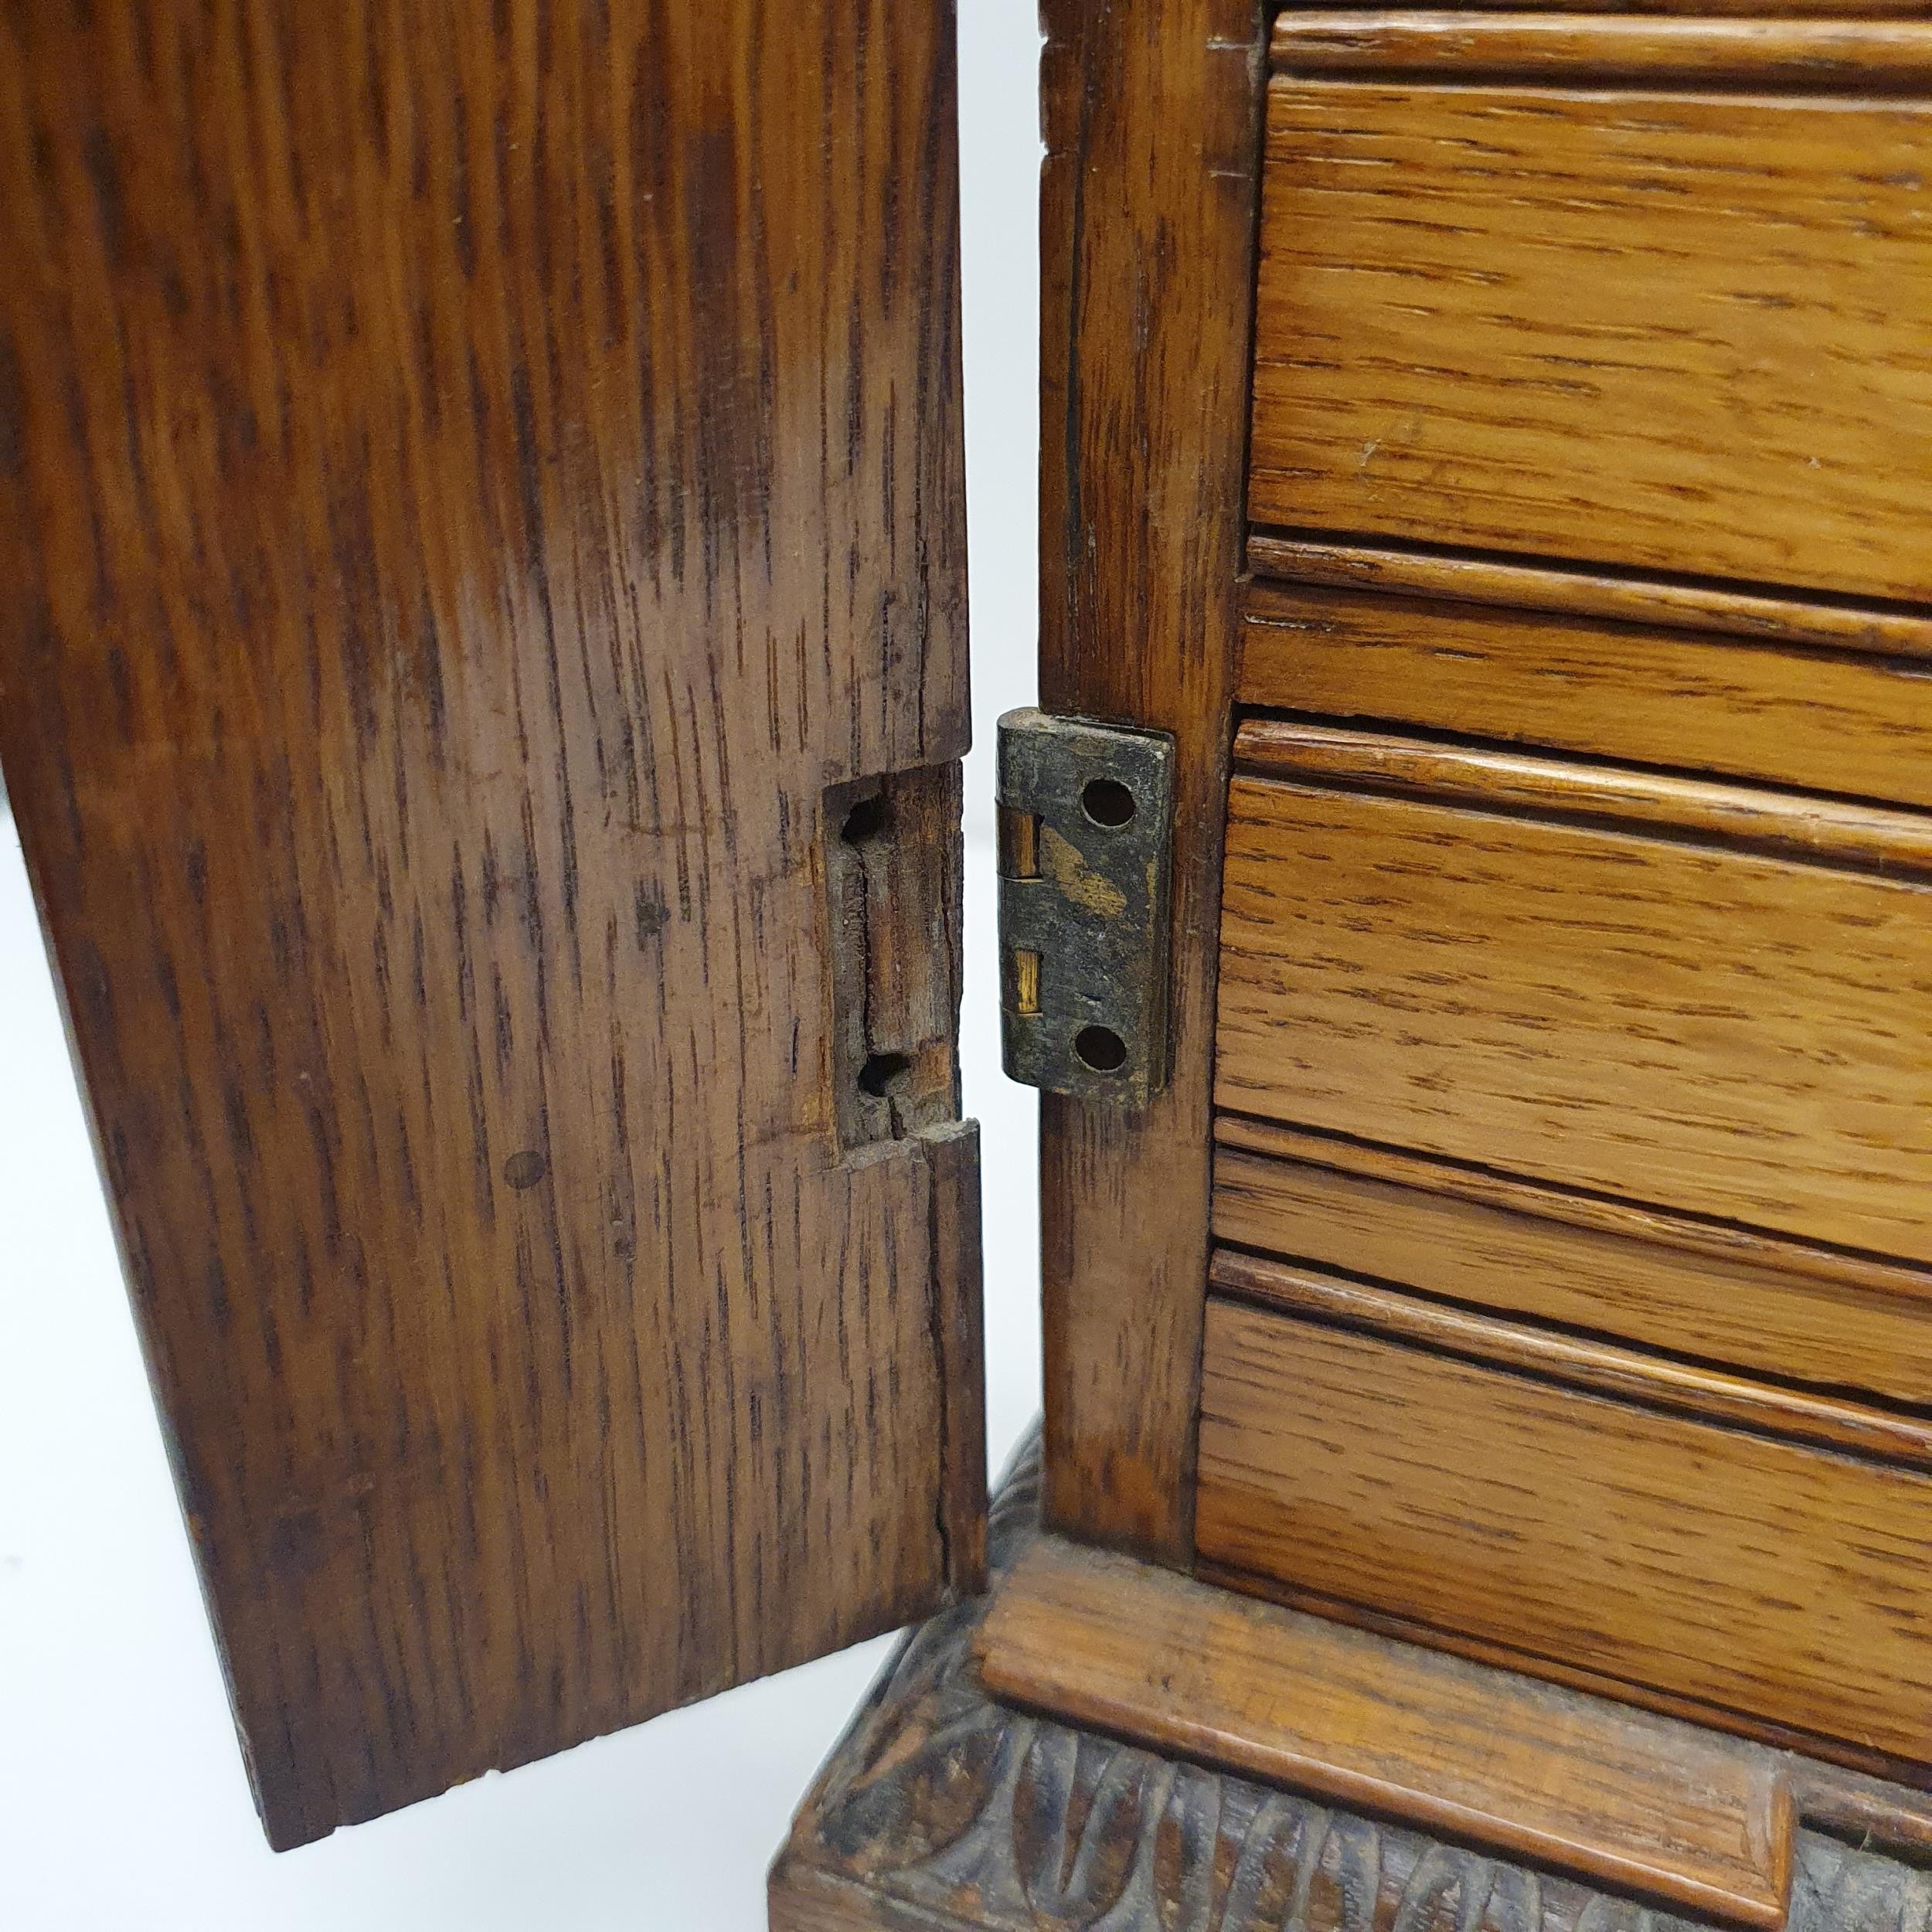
1149,198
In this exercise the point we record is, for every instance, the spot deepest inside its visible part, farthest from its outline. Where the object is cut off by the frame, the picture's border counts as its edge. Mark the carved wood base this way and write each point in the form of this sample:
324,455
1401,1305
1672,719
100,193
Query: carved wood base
942,1809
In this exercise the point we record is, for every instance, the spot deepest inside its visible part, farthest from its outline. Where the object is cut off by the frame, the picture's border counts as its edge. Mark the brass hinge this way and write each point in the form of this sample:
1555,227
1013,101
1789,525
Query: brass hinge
1086,817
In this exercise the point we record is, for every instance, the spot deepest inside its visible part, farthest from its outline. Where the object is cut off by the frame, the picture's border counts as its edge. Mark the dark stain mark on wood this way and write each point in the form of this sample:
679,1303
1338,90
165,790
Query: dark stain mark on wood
526,1169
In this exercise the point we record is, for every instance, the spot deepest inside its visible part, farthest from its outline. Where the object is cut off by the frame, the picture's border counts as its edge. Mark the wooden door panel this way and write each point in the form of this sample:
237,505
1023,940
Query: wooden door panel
480,501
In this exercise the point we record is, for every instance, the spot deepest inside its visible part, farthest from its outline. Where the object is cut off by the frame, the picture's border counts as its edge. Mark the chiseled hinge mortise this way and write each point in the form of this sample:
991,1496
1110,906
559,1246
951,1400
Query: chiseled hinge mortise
893,857
1086,814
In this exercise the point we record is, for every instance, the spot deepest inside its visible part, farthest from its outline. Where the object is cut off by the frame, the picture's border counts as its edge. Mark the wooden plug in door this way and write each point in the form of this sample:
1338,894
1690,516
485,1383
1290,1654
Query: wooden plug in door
481,686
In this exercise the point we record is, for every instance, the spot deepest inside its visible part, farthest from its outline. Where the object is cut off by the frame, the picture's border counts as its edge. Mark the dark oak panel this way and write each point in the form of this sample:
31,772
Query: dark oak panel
472,479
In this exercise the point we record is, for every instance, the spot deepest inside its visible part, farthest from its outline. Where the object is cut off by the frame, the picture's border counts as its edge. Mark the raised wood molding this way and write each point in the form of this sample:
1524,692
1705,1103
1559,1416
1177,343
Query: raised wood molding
1152,117
1833,721
1633,1220
1699,1290
1577,1361
1823,55
1683,603
1792,825
945,1810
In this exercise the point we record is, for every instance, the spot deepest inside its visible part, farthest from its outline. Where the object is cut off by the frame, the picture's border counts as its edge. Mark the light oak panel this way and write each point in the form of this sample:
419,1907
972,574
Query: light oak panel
1599,1005
1756,1575
1615,1795
472,478
1806,1316
1833,722
1674,332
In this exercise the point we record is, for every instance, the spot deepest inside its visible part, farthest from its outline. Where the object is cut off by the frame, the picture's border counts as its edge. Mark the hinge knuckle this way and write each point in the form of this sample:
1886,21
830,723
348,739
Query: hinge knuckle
1086,814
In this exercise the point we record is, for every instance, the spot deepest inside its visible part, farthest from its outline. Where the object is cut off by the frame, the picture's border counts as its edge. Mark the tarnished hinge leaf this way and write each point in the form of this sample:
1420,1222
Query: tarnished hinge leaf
1085,815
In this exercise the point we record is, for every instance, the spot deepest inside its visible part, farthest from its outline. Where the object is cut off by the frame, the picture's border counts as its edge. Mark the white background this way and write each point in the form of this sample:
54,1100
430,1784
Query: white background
122,1801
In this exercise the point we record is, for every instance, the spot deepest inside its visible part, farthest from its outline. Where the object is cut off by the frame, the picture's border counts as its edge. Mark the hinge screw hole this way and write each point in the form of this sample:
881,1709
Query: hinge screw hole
1101,1048
865,820
882,1072
1107,801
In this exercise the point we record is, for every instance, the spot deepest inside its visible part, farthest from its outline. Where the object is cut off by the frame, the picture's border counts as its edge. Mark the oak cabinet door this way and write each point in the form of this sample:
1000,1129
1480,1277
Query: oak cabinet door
482,672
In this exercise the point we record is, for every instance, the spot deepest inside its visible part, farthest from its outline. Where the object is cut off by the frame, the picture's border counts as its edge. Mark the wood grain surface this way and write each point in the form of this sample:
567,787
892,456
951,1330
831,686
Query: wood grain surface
1616,1796
1760,1575
1857,56
1700,1291
1151,112
1600,1005
1676,603
472,478
1668,332
1831,721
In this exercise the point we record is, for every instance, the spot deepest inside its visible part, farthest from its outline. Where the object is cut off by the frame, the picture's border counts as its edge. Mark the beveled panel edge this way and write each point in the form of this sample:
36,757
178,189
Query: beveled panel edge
1625,1373
1756,711
1729,609
1807,827
1629,1220
1609,1276
1814,55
